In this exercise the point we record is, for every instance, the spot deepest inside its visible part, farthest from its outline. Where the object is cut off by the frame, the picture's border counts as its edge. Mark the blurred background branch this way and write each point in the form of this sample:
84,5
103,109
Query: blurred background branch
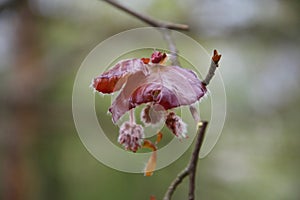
8,4
147,19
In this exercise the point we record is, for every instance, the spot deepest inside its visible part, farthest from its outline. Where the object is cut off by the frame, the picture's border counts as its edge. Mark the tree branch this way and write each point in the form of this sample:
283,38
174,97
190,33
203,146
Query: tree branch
194,160
147,19
190,170
9,4
156,23
175,183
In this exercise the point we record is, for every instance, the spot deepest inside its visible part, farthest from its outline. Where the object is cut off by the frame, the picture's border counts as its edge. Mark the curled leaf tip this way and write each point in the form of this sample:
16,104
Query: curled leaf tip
216,57
148,144
145,60
158,137
152,197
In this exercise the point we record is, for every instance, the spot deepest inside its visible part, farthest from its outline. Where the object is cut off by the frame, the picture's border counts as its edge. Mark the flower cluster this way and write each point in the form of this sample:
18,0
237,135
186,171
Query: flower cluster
131,136
160,88
176,125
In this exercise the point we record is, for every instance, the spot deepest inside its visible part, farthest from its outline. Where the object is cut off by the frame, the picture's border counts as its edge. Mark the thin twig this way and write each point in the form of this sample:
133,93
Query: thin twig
194,159
172,47
147,19
190,170
175,183
156,23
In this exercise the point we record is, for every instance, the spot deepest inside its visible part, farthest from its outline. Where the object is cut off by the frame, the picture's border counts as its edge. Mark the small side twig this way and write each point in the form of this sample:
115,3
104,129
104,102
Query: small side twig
147,19
213,66
190,170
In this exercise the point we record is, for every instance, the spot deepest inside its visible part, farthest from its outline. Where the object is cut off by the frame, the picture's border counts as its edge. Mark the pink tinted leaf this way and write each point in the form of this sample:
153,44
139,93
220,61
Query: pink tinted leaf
168,86
114,79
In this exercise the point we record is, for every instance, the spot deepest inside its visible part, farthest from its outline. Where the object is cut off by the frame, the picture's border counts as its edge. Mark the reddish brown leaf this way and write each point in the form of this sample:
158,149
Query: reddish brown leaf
113,80
168,86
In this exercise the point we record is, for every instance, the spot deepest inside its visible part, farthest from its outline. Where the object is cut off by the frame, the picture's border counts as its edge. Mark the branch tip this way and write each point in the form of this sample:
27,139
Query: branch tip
216,57
213,66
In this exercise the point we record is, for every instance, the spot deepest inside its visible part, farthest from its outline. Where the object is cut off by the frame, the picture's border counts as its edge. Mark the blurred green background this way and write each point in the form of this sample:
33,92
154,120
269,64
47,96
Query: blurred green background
42,44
